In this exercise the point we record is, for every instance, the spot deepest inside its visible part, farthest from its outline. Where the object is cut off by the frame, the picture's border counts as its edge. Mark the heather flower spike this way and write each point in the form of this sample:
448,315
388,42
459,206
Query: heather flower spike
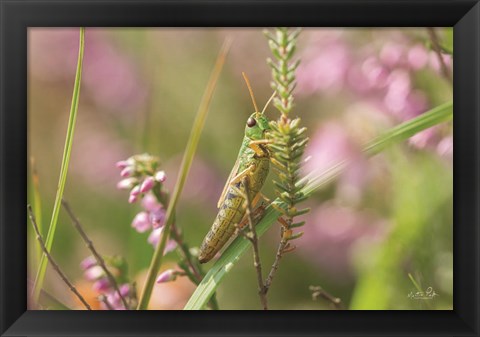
108,292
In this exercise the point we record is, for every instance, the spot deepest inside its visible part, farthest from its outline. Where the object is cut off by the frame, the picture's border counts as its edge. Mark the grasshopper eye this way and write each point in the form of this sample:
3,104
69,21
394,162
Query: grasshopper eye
251,122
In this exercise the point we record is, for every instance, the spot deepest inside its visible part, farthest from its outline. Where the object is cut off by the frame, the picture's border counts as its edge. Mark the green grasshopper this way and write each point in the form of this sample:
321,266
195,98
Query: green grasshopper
251,167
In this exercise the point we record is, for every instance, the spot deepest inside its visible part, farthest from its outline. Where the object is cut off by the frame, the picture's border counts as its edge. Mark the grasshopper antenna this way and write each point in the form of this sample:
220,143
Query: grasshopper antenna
250,90
268,102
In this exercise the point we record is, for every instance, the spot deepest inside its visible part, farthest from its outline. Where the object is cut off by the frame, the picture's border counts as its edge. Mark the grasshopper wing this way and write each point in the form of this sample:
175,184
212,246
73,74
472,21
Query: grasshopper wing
232,174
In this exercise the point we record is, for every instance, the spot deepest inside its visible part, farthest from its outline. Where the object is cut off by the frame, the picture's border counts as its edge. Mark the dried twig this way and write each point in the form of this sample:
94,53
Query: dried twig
278,256
317,292
98,257
52,261
438,51
252,236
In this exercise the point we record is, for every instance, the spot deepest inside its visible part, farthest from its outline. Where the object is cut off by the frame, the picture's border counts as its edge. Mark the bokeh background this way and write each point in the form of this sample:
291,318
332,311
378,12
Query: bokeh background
382,219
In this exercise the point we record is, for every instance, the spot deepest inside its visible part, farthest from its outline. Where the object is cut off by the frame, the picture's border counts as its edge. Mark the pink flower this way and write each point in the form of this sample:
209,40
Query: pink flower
150,203
141,222
126,184
135,191
94,273
122,164
332,233
160,176
126,172
417,57
147,184
132,198
157,218
423,138
101,285
445,147
88,263
324,69
167,276
154,239
392,54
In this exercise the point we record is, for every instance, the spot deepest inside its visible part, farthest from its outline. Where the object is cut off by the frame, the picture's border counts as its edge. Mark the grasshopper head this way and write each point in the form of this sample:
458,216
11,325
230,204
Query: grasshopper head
256,126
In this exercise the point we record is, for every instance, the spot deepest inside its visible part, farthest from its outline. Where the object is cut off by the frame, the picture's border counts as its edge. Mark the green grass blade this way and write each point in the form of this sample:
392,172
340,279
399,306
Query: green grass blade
64,169
182,177
232,254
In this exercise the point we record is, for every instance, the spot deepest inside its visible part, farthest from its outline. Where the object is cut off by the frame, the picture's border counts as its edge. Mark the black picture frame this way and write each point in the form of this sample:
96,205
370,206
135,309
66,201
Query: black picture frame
17,15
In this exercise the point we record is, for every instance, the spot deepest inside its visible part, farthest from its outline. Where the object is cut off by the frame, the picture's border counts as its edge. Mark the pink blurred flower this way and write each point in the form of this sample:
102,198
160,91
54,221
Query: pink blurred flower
88,263
127,183
160,176
147,184
141,222
157,217
101,285
132,199
150,203
417,57
154,239
323,67
445,147
424,138
434,62
392,53
110,78
331,234
167,276
114,300
94,273
126,172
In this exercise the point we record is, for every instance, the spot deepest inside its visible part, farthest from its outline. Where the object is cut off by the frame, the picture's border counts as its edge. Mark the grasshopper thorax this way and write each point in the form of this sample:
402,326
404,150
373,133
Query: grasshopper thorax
257,125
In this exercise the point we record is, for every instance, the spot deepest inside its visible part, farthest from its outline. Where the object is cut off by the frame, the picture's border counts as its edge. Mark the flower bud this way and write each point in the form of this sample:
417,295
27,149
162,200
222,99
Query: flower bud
121,164
147,184
126,184
94,273
88,263
135,191
132,199
160,176
127,172
167,276
101,285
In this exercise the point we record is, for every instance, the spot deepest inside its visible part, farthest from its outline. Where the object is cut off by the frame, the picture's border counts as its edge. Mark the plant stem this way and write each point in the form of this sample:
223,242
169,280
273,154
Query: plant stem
64,169
52,261
182,177
104,299
45,295
101,262
276,263
438,51
320,292
37,204
194,271
252,237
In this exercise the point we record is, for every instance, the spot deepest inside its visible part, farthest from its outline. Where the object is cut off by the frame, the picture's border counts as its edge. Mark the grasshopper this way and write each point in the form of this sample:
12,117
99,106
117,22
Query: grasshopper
251,167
